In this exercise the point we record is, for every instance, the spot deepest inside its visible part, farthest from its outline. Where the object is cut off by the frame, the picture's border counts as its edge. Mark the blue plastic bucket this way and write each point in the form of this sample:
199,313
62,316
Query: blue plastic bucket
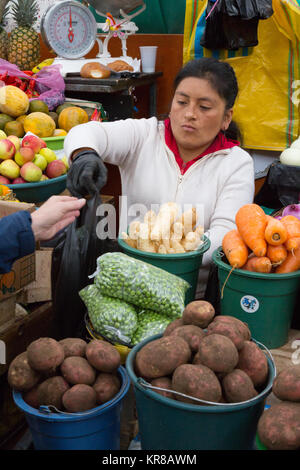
169,424
95,429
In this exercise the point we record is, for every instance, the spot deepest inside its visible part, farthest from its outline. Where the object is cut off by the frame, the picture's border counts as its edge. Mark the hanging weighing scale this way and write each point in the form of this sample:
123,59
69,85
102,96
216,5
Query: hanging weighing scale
69,28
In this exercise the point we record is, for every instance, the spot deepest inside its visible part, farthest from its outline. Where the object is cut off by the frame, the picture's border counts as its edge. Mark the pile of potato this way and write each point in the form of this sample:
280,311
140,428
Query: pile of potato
71,374
208,357
279,425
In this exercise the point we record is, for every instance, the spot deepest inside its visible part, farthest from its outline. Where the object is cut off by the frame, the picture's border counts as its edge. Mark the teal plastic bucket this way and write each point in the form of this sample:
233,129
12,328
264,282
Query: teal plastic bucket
265,302
184,265
95,429
167,424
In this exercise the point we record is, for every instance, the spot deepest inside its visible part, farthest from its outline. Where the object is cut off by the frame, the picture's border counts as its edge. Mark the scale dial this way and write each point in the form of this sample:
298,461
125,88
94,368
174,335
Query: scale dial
69,29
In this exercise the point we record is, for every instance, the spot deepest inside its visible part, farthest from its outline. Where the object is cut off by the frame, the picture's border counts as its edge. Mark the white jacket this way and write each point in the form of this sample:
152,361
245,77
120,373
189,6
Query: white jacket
220,182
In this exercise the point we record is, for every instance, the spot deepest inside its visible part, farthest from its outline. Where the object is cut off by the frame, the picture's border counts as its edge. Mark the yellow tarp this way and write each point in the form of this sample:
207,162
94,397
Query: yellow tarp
267,108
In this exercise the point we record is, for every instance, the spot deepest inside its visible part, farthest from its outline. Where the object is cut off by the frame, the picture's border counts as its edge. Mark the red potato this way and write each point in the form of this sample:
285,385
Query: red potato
73,346
192,334
45,355
20,375
77,370
238,387
80,397
286,385
103,356
253,361
163,382
31,397
172,326
218,353
106,387
199,313
50,392
240,325
228,329
197,381
279,426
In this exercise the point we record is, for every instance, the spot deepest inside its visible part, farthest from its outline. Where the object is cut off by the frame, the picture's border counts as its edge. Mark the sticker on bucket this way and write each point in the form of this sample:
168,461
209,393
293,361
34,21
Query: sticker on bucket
249,304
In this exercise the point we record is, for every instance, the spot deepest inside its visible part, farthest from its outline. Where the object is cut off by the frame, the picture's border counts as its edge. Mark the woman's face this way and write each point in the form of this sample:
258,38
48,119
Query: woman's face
197,115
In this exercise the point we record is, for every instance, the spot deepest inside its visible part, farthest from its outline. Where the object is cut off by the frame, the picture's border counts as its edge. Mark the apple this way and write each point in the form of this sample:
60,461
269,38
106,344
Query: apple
40,161
49,154
2,135
7,149
30,172
24,155
44,177
10,169
43,144
55,169
15,140
65,160
19,180
32,141
4,180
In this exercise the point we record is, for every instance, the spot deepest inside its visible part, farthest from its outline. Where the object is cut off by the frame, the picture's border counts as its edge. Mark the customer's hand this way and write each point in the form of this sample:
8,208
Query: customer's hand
54,215
87,174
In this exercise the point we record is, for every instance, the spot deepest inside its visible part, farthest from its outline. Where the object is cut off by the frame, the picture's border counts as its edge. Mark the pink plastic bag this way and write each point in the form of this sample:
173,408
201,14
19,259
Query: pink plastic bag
49,82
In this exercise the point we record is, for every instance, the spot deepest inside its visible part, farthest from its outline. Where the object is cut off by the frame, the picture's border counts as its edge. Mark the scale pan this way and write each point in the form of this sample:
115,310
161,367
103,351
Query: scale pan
114,6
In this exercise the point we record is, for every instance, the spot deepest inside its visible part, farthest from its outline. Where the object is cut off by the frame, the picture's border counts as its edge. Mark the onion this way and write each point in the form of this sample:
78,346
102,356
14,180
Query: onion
290,156
292,209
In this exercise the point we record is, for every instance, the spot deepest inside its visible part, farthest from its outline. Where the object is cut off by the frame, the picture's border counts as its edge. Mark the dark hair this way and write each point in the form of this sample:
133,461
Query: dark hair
222,78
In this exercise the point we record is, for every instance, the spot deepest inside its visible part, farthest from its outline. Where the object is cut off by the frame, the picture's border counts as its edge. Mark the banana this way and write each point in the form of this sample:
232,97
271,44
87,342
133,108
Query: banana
45,63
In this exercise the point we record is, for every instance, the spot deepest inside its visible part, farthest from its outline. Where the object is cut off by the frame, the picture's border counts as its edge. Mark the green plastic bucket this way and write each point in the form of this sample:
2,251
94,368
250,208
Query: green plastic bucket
264,301
184,265
167,424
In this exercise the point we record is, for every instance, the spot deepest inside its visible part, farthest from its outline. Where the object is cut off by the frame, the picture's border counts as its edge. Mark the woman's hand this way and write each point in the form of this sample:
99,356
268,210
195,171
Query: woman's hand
87,174
54,215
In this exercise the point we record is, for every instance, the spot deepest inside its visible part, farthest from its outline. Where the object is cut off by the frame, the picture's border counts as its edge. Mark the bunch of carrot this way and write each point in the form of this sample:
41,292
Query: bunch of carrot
262,243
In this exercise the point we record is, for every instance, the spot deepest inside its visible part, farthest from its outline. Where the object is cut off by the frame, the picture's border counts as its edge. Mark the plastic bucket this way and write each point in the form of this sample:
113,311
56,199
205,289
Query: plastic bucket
184,265
264,301
95,429
168,424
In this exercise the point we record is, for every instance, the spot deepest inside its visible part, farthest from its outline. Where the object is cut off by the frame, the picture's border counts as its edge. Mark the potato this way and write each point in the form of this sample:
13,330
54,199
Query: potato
227,329
50,392
286,385
77,370
161,356
163,382
253,361
106,386
73,346
80,397
45,355
20,375
197,381
192,334
31,397
218,353
103,356
238,386
172,326
241,326
199,313
279,426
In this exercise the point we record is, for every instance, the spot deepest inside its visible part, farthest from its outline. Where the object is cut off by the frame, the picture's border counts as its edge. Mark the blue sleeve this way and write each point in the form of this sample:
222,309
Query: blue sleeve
16,239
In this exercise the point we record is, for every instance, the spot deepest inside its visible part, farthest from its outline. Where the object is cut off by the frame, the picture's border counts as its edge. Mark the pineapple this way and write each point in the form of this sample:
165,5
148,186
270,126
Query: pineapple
24,42
3,34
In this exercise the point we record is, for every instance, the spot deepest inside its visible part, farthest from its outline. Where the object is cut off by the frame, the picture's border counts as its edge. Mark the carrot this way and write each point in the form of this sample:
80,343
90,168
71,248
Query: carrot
276,254
291,263
275,233
258,264
251,222
292,225
235,249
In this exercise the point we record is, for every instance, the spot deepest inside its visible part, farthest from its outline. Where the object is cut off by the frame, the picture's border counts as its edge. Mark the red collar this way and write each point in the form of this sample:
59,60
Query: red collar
220,143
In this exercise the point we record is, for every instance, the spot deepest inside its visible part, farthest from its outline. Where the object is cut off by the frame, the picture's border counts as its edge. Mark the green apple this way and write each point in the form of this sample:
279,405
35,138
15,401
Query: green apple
10,169
40,161
49,154
30,172
65,160
2,135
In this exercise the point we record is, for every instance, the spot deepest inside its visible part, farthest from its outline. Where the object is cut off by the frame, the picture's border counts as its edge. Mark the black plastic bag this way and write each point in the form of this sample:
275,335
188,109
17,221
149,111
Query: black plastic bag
232,24
281,187
73,261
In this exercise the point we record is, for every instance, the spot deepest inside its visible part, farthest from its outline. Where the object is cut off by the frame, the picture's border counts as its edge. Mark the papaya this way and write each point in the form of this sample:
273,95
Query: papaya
40,124
72,116
13,101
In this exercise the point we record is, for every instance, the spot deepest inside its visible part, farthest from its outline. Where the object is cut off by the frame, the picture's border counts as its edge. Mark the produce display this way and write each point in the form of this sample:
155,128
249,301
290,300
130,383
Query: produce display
166,232
279,426
71,374
262,243
217,365
140,284
28,160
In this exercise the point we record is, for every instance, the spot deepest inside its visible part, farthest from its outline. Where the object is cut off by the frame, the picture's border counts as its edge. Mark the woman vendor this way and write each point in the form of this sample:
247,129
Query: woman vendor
191,158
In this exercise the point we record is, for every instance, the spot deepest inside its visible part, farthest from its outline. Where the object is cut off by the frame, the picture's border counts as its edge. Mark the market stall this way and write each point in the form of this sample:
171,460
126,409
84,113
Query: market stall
105,341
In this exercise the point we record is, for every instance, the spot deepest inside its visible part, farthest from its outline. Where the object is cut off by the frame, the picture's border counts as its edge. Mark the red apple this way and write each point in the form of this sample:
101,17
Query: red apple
7,149
19,180
43,144
32,141
30,172
4,180
24,155
55,168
